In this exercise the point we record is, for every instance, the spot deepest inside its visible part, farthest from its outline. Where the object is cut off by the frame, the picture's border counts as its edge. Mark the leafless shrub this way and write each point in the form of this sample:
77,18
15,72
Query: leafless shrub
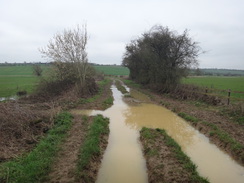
67,51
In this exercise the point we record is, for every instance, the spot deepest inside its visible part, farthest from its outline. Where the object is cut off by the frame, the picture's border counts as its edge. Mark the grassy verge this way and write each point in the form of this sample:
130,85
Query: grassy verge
108,102
10,85
120,87
151,136
131,83
34,167
101,86
18,78
188,117
90,149
224,137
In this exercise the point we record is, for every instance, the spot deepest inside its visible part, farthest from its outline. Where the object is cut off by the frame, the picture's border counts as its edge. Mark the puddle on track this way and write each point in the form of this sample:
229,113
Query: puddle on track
123,160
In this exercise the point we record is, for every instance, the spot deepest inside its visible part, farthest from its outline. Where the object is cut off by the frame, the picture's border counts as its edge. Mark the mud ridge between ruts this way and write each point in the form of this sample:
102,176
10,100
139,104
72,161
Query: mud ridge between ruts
162,159
64,167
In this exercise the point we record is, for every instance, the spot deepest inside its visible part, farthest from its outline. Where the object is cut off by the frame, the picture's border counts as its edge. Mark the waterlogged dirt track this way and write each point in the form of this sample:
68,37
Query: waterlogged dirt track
123,160
211,162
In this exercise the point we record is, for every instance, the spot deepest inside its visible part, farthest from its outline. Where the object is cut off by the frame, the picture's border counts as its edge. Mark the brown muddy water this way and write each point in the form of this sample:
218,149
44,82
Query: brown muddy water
123,160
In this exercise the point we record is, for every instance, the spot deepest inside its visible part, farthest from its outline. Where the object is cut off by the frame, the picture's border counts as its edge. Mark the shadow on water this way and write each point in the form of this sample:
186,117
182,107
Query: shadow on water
123,160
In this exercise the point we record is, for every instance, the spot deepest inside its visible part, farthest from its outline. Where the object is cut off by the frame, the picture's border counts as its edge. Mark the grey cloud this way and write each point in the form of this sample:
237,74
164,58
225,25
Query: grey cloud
27,25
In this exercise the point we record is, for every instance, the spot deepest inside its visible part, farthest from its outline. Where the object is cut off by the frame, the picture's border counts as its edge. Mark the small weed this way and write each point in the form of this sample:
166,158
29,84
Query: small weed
240,120
213,126
88,100
152,152
146,133
188,117
224,137
108,101
166,104
211,133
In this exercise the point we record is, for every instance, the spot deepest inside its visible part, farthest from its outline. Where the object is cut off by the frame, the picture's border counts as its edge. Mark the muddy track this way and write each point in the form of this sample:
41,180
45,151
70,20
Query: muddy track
64,167
227,125
163,163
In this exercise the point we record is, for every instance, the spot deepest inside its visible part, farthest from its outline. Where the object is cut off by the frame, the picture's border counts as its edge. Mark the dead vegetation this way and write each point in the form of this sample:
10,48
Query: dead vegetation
23,122
21,126
193,93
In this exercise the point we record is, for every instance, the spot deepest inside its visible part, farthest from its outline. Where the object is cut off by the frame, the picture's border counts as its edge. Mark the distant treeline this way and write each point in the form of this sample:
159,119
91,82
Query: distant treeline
216,72
193,72
113,69
23,64
47,63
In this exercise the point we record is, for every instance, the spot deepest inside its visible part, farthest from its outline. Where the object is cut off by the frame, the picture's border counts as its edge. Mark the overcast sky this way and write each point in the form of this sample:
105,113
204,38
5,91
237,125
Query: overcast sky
26,25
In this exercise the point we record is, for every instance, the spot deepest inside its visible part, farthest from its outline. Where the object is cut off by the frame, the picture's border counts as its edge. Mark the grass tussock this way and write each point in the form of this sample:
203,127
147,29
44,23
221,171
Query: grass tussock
188,117
34,167
131,83
120,87
91,147
108,102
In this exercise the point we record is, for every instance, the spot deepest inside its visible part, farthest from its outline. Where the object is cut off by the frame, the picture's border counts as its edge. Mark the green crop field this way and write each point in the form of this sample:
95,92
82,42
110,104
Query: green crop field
14,78
219,83
17,78
113,70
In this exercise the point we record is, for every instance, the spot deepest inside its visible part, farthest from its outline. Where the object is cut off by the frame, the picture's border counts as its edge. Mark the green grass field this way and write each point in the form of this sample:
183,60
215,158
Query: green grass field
17,78
20,77
219,83
112,70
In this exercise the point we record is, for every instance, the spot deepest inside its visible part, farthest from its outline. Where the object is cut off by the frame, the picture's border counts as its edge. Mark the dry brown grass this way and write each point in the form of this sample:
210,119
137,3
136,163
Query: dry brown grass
21,125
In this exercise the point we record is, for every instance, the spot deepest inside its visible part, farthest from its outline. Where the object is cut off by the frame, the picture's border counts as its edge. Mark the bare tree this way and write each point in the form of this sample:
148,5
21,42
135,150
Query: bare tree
69,47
